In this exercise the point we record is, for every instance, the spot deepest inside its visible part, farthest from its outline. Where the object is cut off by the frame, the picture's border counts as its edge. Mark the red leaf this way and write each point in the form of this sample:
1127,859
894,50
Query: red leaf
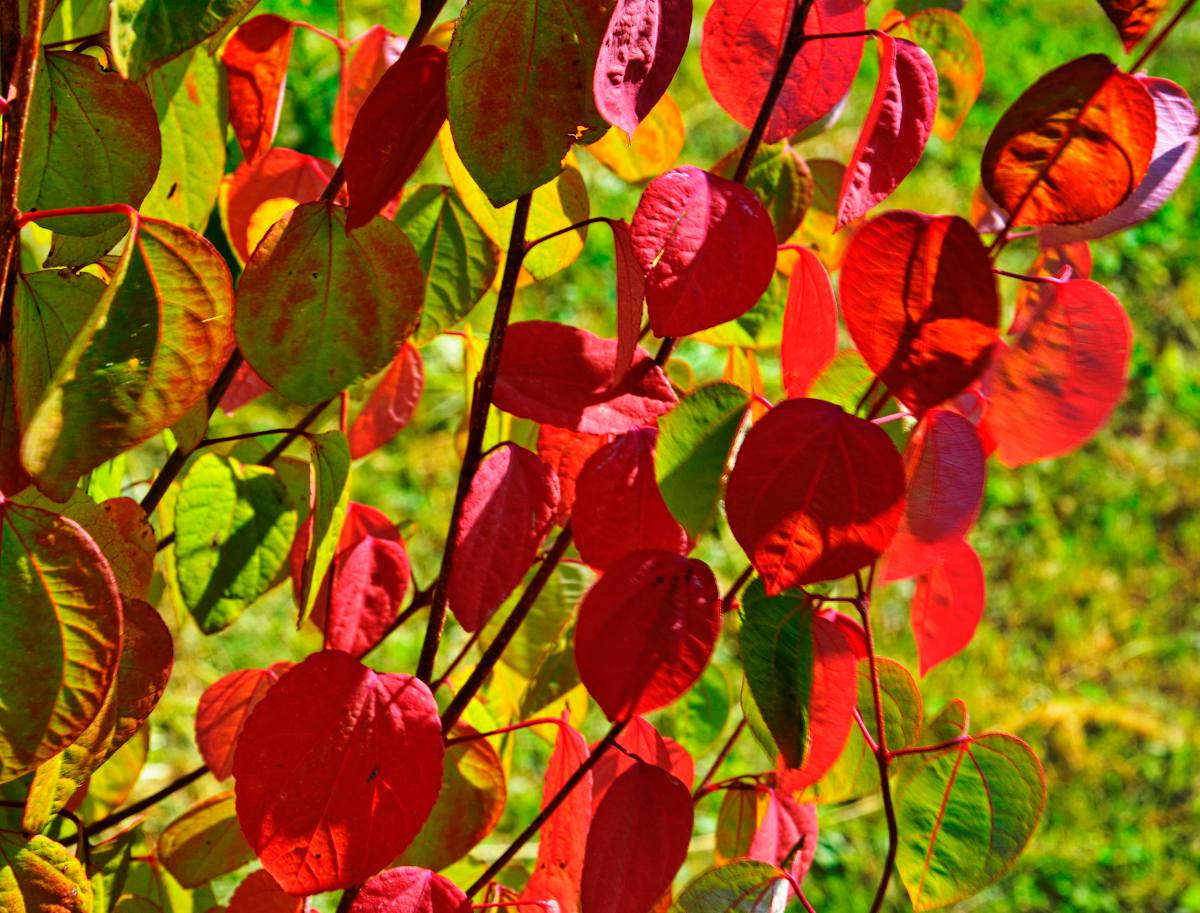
741,44
619,507
398,123
223,710
945,466
947,605
246,387
646,630
831,703
849,627
809,324
638,840
706,247
256,62
281,174
561,375
1050,262
565,452
1133,18
259,893
336,770
815,494
642,741
391,404
788,828
408,889
641,51
562,839
369,57
506,515
1060,378
896,129
631,292
919,300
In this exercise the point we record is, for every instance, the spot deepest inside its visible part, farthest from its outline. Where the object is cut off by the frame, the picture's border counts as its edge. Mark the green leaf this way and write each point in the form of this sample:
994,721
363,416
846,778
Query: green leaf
204,842
190,99
102,146
780,178
13,477
329,477
113,783
552,613
777,654
147,33
747,886
698,719
965,816
319,308
460,261
72,252
737,821
61,614
519,85
73,18
38,875
152,347
234,526
109,868
694,442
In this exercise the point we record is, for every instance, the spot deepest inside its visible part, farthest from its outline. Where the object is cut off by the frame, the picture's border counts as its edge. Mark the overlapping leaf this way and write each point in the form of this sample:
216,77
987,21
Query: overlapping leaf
641,742
747,886
368,58
410,890
256,62
1133,19
261,893
655,145
810,326
780,178
38,875
145,34
223,710
329,501
945,37
390,405
204,842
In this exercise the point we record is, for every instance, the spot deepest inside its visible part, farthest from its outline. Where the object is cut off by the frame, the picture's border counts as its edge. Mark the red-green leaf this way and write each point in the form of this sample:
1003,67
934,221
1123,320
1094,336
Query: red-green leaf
336,770
919,300
1133,19
204,842
946,38
815,494
646,630
810,325
410,890
223,710
390,405
947,605
256,61
260,893
38,875
745,886
706,247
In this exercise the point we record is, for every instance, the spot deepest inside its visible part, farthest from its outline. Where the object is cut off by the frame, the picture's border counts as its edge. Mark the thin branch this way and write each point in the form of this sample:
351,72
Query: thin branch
530,245
504,730
457,661
149,802
699,792
1158,39
309,417
928,749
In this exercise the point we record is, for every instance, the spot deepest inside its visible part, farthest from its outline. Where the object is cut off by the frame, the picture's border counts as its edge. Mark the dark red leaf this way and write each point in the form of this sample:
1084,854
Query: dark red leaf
741,44
919,300
638,840
642,741
619,507
408,889
256,62
788,829
895,131
810,327
945,466
563,837
631,292
223,710
508,511
947,605
398,123
646,630
1061,376
369,57
566,452
641,51
259,893
707,248
336,770
1133,18
390,405
561,375
246,387
815,494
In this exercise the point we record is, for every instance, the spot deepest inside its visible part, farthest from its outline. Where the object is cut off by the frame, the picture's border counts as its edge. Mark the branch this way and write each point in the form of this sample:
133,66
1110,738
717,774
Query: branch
700,790
149,802
1161,36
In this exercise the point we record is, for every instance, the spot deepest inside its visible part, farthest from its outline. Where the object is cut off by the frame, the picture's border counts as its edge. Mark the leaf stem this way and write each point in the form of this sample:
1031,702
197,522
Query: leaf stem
735,588
530,245
699,792
485,384
1158,39
504,730
149,802
928,749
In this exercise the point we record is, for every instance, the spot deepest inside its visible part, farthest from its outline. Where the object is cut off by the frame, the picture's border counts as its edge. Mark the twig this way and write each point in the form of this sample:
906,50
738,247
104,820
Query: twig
149,802
699,792
1158,39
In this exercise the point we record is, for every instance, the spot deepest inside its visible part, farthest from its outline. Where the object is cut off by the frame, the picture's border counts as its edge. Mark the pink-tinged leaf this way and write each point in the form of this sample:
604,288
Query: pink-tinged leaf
256,195
507,512
408,889
787,829
256,61
619,506
561,375
741,44
369,57
706,246
638,840
1174,150
246,387
646,630
815,494
642,741
391,404
810,325
336,770
896,130
947,605
566,452
945,466
260,893
223,710
640,53
397,124
562,839
1061,376
631,292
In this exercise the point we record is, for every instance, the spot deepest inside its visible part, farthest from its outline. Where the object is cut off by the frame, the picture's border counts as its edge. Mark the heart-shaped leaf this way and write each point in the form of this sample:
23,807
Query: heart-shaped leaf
368,58
410,890
642,742
1133,19
958,59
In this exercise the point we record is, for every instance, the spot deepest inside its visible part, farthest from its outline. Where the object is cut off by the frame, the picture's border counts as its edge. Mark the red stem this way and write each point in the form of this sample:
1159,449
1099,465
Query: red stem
702,789
39,214
866,733
927,749
1156,43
